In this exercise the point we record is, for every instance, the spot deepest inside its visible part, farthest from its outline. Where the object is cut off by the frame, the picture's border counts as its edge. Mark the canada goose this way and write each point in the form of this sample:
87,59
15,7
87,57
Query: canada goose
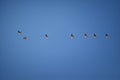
106,36
94,35
85,35
19,32
25,38
46,36
71,36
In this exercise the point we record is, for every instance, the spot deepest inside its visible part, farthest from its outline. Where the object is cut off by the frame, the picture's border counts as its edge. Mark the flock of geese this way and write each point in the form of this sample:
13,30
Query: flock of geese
71,36
86,36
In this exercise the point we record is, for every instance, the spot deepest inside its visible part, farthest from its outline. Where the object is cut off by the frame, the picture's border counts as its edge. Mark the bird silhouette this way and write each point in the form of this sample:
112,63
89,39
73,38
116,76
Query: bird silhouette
46,36
24,37
71,36
85,35
19,32
106,36
94,35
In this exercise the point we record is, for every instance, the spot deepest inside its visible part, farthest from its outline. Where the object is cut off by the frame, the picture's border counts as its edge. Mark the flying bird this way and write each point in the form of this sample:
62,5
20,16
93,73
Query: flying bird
46,36
25,38
106,36
19,32
94,35
85,35
71,36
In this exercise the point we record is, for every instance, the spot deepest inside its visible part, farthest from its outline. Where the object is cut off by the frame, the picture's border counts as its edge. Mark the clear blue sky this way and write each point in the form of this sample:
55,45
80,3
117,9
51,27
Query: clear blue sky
59,57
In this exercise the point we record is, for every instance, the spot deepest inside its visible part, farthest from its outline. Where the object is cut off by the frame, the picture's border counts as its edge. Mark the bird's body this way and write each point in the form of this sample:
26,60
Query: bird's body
19,32
46,36
71,36
25,38
94,35
106,36
85,35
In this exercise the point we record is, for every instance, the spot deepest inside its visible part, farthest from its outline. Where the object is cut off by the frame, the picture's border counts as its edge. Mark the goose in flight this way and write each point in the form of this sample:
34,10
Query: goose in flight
19,32
94,35
85,35
24,37
71,36
46,36
106,36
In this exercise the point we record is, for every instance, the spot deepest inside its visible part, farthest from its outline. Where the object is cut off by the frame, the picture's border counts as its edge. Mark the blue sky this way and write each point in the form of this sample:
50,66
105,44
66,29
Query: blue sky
59,57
